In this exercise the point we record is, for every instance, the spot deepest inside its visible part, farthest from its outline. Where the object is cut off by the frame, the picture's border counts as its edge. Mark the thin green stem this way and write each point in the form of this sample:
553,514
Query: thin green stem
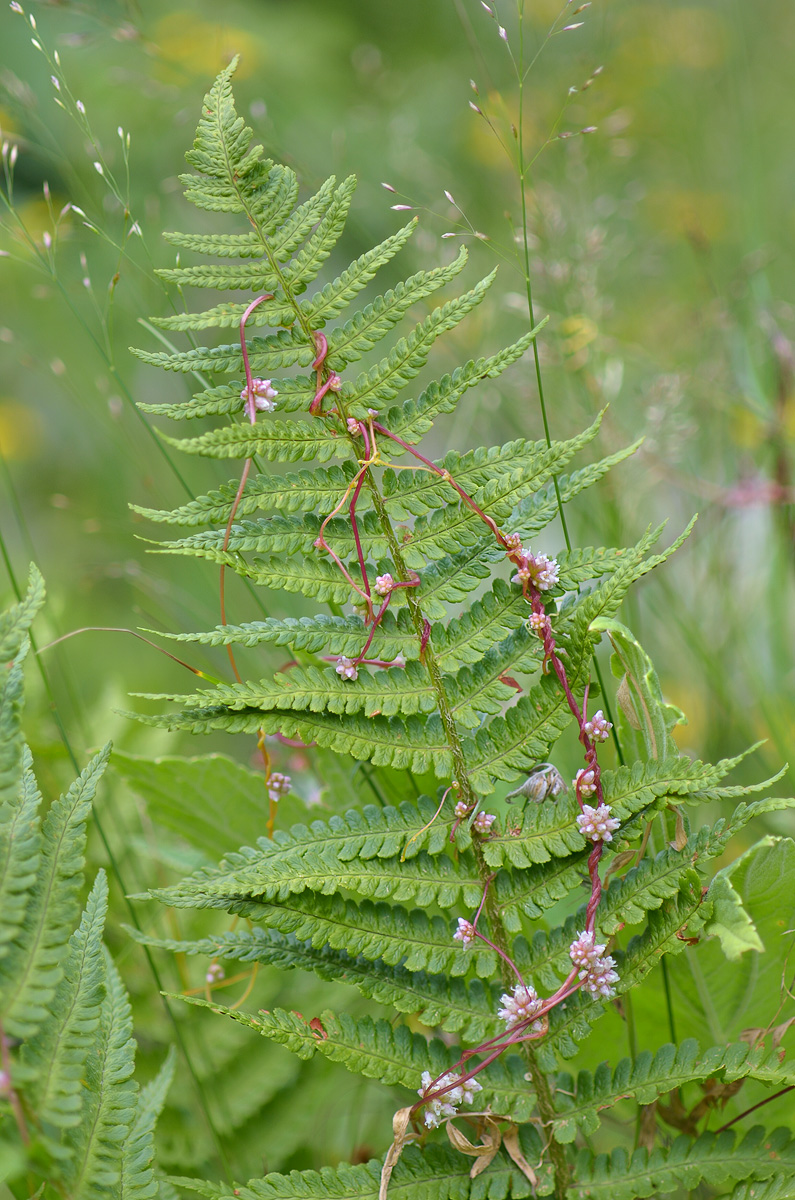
527,277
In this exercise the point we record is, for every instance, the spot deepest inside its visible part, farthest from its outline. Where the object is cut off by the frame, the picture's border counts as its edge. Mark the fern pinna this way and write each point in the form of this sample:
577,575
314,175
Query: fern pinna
400,683
73,1122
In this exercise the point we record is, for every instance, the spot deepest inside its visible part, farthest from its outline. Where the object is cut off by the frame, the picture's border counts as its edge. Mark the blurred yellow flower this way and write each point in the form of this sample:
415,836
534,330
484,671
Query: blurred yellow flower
19,430
202,47
695,214
747,429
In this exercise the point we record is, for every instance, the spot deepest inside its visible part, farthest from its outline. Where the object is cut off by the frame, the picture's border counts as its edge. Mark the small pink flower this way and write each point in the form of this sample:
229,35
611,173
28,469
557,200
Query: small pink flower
585,782
595,970
465,934
462,810
384,584
353,427
484,821
520,1005
596,824
598,728
215,973
537,623
262,393
345,668
537,568
278,785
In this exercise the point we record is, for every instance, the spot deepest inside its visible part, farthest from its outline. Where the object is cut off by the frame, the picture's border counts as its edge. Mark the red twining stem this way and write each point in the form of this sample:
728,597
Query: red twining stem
354,523
449,479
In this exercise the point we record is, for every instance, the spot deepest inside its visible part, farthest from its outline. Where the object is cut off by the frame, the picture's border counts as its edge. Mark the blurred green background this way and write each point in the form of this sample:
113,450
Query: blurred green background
662,250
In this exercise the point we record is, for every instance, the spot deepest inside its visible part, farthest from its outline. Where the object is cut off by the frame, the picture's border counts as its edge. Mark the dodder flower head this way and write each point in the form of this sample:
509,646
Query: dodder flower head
520,1005
462,809
278,785
446,1105
345,668
596,824
261,393
465,934
215,973
537,623
353,427
598,728
585,782
484,821
384,584
537,569
596,970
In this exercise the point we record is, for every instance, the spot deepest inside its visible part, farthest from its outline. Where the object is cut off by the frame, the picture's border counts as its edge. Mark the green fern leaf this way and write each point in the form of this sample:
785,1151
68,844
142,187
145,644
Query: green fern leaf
137,1181
55,1061
33,967
714,1158
376,1050
394,635
266,354
17,620
110,1100
417,1176
371,324
20,849
308,491
653,1075
335,296
283,441
468,1007
382,382
412,420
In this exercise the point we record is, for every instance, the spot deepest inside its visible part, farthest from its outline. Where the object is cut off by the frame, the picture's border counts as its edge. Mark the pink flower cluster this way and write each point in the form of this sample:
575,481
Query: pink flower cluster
596,970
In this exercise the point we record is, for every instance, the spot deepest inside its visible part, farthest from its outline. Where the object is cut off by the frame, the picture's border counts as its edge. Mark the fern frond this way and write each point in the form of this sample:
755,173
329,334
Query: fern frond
359,835
714,1158
376,1050
394,635
385,741
308,491
20,848
412,420
17,620
33,967
468,1007
282,441
269,354
372,323
451,579
408,356
337,295
653,1075
417,1176
55,1060
137,1181
110,1100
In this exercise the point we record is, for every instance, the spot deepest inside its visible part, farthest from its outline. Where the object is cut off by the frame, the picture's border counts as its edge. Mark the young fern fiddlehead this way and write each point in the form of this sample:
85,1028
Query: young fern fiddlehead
402,683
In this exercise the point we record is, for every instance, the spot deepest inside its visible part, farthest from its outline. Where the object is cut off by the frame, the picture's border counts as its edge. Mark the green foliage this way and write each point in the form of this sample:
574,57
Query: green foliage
71,1115
331,896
